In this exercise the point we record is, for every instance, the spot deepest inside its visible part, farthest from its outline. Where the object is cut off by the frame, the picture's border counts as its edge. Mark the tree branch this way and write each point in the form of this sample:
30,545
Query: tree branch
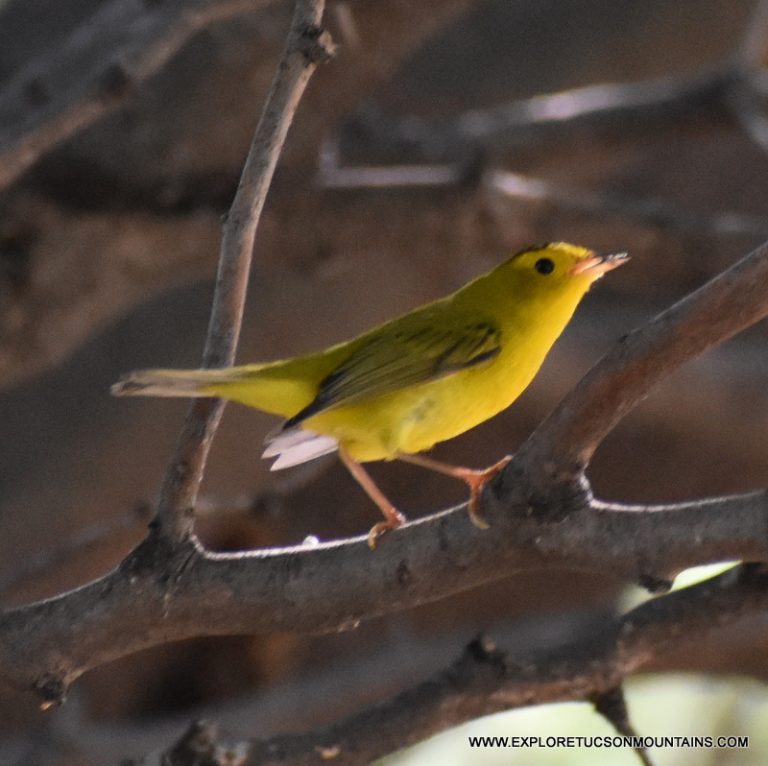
486,680
307,45
605,106
651,211
156,595
562,446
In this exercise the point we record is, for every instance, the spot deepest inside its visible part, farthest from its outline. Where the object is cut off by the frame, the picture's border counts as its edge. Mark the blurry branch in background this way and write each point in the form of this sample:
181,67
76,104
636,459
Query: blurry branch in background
102,63
651,211
609,106
546,117
737,88
601,106
656,212
106,59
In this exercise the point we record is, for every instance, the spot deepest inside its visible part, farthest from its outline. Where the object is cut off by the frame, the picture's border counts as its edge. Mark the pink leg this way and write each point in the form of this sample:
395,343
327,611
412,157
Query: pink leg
393,517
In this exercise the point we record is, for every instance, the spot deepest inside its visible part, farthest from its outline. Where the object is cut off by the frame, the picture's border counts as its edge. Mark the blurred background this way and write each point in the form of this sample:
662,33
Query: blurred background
424,154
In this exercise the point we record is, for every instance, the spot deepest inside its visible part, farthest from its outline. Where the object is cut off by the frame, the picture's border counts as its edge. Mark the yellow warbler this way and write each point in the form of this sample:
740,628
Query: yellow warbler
416,380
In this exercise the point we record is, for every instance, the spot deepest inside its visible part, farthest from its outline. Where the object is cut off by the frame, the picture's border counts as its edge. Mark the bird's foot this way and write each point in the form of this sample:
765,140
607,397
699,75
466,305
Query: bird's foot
476,479
394,519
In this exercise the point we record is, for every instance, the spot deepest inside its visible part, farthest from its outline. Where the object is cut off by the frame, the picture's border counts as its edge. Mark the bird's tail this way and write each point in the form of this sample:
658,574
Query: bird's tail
184,383
276,387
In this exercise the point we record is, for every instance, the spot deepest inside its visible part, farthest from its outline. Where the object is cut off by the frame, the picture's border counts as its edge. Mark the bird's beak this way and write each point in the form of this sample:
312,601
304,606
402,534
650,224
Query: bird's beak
597,265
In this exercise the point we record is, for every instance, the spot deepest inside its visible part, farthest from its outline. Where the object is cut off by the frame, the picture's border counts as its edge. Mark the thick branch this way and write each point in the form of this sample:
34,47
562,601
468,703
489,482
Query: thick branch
163,593
564,443
306,47
94,71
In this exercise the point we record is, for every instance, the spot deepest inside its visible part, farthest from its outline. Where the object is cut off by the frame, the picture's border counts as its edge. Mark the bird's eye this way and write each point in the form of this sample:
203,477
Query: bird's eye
544,266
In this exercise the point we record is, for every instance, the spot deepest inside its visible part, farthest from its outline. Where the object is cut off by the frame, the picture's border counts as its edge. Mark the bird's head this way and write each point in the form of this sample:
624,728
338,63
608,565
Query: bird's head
557,268
547,279
560,263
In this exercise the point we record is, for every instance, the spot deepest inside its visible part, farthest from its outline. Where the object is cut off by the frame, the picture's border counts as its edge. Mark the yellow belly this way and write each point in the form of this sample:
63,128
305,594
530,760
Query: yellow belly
415,419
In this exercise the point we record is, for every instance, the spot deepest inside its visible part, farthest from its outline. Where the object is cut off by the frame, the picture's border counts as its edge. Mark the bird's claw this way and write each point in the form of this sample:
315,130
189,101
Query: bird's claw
477,479
394,520
474,509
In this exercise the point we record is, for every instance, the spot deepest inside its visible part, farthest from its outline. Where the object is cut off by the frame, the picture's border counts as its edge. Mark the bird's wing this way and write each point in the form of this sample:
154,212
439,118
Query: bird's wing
405,354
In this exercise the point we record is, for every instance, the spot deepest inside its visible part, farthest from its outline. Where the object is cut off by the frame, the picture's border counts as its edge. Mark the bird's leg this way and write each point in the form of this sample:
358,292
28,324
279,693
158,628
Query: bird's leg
476,479
393,517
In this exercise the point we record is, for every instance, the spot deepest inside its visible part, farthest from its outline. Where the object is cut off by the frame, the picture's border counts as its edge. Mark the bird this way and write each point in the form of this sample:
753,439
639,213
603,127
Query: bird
426,376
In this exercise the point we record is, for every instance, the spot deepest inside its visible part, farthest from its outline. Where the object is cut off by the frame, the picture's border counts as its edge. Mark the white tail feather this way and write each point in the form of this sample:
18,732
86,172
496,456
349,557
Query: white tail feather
296,446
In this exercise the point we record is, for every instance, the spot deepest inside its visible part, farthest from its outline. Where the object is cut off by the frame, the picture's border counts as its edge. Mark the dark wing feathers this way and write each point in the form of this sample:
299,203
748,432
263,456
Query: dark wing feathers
398,357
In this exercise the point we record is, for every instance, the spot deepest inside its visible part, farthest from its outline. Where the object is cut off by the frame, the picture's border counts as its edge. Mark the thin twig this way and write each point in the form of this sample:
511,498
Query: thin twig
306,47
